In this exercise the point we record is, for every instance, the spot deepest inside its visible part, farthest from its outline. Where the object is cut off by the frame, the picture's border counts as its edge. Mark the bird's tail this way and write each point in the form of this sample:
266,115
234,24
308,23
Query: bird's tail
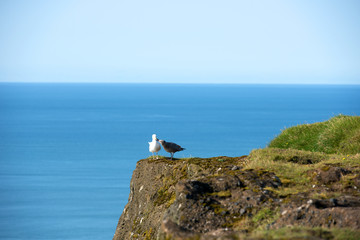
182,149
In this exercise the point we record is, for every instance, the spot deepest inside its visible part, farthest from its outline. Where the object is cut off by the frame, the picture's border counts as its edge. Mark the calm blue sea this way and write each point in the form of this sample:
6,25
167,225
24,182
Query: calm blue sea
67,151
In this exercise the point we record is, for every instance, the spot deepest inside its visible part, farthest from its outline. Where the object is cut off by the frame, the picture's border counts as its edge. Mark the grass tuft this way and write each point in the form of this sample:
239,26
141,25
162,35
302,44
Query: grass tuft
308,233
340,134
295,176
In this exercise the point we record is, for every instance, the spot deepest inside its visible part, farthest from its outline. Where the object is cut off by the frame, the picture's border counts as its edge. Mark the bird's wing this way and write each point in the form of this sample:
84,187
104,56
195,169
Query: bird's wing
175,146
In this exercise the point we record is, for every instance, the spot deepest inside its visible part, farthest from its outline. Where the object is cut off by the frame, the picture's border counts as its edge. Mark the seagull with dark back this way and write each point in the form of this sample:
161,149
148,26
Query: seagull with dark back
171,147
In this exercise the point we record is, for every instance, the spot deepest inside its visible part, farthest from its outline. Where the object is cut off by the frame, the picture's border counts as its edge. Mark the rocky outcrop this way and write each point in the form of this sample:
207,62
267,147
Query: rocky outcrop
218,198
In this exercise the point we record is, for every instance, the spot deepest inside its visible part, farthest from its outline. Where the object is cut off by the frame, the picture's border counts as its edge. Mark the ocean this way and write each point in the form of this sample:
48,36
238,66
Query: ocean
67,151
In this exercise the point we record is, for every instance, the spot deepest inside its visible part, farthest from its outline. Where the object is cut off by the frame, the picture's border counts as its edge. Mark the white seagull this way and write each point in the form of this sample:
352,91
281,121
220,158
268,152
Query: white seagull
154,146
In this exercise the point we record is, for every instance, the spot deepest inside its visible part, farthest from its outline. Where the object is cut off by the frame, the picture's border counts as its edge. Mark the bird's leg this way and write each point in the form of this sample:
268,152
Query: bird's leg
172,154
153,155
157,155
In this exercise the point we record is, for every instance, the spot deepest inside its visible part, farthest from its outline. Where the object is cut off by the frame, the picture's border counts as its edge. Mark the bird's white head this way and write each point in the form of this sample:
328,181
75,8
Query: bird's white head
154,137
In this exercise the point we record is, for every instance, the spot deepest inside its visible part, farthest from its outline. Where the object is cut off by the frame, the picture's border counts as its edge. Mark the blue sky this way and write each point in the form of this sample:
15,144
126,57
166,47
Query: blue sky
188,41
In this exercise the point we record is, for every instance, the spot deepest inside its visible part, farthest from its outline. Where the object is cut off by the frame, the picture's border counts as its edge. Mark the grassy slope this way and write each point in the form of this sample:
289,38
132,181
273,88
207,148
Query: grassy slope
298,151
311,146
340,134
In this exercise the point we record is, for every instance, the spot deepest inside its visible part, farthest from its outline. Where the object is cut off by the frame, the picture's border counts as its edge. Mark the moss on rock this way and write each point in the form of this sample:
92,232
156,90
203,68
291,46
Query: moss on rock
256,196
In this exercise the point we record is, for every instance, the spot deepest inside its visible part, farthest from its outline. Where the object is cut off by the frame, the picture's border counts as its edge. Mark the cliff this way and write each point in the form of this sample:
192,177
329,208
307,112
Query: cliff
274,193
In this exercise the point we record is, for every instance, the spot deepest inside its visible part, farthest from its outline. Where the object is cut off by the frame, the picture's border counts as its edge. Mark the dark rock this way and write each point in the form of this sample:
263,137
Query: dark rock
329,175
195,200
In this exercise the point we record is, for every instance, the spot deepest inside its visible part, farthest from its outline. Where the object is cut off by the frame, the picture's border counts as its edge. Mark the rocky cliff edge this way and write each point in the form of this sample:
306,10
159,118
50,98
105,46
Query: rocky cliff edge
270,194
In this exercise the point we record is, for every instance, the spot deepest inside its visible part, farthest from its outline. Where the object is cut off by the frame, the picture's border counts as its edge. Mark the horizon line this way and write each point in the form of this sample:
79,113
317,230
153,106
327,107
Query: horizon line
170,83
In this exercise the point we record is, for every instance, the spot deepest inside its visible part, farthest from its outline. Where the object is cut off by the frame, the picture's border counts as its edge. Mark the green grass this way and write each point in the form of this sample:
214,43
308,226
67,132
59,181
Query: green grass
265,215
340,134
289,165
308,233
277,161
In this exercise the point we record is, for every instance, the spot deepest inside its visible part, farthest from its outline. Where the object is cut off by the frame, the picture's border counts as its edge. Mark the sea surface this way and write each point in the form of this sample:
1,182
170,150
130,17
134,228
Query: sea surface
67,151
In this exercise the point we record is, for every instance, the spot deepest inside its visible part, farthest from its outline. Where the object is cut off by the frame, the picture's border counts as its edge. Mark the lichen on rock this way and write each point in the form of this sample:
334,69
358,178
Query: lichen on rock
274,193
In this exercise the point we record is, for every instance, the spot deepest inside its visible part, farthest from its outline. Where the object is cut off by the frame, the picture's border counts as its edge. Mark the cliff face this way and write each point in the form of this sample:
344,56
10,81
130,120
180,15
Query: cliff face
229,198
305,185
